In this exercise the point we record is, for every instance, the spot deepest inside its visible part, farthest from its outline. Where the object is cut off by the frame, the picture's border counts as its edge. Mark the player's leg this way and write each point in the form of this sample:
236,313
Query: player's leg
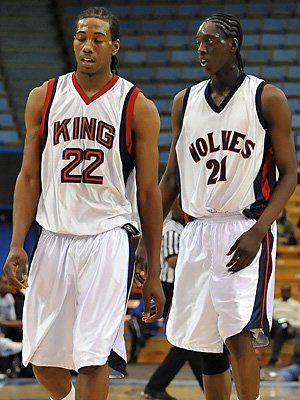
56,381
245,366
93,383
216,376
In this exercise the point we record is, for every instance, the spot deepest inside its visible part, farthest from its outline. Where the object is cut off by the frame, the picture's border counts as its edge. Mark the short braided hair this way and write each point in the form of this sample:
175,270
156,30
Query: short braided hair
114,26
231,27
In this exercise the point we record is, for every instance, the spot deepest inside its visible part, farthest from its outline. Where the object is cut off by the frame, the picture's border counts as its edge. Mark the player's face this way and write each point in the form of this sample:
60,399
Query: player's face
93,46
215,51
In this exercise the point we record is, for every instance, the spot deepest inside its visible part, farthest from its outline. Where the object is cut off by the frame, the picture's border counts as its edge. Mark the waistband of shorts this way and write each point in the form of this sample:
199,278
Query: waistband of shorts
222,217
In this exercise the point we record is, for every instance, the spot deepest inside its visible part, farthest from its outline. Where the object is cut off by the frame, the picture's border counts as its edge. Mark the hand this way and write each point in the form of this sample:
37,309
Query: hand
15,268
152,289
244,251
141,265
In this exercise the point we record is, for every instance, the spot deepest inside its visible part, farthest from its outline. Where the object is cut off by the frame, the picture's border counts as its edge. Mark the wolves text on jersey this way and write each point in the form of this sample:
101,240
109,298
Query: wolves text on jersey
83,128
227,140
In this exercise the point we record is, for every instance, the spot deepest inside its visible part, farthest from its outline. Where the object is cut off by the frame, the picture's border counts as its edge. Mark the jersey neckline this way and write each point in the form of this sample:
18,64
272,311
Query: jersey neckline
227,98
89,100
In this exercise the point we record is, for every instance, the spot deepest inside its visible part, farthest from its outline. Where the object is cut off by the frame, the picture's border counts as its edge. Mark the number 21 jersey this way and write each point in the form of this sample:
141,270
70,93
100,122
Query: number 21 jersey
224,153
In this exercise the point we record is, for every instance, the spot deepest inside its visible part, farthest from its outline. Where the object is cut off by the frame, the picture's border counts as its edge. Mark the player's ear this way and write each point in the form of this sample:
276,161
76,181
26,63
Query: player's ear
116,47
234,44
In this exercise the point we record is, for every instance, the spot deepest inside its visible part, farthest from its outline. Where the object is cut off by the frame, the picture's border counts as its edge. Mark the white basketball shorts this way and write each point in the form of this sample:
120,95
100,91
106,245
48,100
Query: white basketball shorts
76,300
211,304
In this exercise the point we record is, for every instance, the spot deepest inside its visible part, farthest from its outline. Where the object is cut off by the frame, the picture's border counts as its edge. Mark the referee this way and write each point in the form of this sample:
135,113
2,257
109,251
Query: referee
176,358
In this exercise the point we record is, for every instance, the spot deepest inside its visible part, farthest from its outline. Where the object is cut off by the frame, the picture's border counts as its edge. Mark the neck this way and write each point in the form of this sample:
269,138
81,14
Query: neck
91,84
224,80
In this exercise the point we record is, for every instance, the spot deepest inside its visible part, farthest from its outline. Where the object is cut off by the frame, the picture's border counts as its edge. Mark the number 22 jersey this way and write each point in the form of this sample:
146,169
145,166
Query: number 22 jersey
87,165
224,153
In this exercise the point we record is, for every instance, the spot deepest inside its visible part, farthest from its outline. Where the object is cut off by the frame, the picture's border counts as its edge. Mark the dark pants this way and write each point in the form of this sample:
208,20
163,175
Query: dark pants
280,333
172,364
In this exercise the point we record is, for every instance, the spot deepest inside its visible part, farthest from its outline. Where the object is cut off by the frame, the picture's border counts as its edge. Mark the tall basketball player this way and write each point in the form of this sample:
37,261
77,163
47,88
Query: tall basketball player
87,133
236,170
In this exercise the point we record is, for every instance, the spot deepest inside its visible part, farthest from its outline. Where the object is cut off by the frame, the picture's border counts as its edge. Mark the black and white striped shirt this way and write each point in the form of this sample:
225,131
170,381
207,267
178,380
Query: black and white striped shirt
169,247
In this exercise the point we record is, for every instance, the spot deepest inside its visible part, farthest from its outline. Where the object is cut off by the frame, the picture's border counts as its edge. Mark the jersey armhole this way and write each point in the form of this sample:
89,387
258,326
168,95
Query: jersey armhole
259,111
51,87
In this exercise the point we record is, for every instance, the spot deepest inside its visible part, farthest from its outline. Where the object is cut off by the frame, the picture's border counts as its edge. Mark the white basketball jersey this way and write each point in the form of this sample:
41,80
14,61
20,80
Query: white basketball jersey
224,153
87,157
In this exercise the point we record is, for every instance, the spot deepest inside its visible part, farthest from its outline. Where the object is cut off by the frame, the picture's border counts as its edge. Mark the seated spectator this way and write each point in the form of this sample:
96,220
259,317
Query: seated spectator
286,321
292,372
8,321
285,230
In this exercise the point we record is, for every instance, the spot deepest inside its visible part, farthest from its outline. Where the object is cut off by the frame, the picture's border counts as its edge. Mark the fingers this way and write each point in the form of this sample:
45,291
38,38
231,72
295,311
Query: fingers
139,278
155,312
233,248
16,272
147,306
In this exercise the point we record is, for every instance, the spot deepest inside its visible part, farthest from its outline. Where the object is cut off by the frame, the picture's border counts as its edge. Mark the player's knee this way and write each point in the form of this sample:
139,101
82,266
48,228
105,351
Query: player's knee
90,370
43,374
214,363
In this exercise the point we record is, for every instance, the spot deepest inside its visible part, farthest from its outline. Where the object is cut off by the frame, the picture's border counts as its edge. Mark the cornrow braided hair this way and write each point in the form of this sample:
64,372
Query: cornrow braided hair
231,27
114,26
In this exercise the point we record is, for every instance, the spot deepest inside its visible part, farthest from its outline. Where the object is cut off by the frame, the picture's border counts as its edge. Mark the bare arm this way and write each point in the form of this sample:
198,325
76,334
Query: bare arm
12,324
167,184
146,127
27,190
278,116
172,261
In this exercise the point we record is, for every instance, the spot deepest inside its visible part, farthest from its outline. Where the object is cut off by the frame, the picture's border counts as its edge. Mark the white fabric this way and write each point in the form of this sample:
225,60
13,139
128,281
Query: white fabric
211,304
84,208
70,395
76,301
232,144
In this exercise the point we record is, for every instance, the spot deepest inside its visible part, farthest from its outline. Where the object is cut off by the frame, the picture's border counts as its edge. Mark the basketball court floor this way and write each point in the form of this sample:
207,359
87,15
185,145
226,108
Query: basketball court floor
184,387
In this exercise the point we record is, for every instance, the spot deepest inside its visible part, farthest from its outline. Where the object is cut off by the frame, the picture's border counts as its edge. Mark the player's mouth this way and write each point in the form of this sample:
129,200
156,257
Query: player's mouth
203,62
88,60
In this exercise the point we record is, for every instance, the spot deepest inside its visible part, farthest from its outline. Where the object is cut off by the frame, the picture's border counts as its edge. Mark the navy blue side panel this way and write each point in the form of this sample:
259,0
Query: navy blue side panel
259,318
258,105
45,131
264,183
127,160
116,363
34,247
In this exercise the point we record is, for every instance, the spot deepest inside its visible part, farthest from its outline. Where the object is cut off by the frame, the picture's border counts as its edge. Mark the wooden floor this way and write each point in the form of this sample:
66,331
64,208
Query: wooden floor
184,387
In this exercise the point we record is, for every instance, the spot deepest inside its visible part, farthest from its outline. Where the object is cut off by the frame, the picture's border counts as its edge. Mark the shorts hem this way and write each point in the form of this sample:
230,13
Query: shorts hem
41,363
91,362
199,348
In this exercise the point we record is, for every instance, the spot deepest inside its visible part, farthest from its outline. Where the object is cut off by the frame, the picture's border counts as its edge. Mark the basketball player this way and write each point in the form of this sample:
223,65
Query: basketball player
86,131
231,134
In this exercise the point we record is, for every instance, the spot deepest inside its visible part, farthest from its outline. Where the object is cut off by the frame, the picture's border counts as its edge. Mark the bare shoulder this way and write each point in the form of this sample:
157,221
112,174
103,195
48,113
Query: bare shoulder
178,99
37,95
145,115
144,106
273,95
275,104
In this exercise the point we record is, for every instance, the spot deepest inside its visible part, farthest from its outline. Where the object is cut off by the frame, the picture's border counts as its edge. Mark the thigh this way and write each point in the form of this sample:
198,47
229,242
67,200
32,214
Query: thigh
192,322
102,289
49,307
244,299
